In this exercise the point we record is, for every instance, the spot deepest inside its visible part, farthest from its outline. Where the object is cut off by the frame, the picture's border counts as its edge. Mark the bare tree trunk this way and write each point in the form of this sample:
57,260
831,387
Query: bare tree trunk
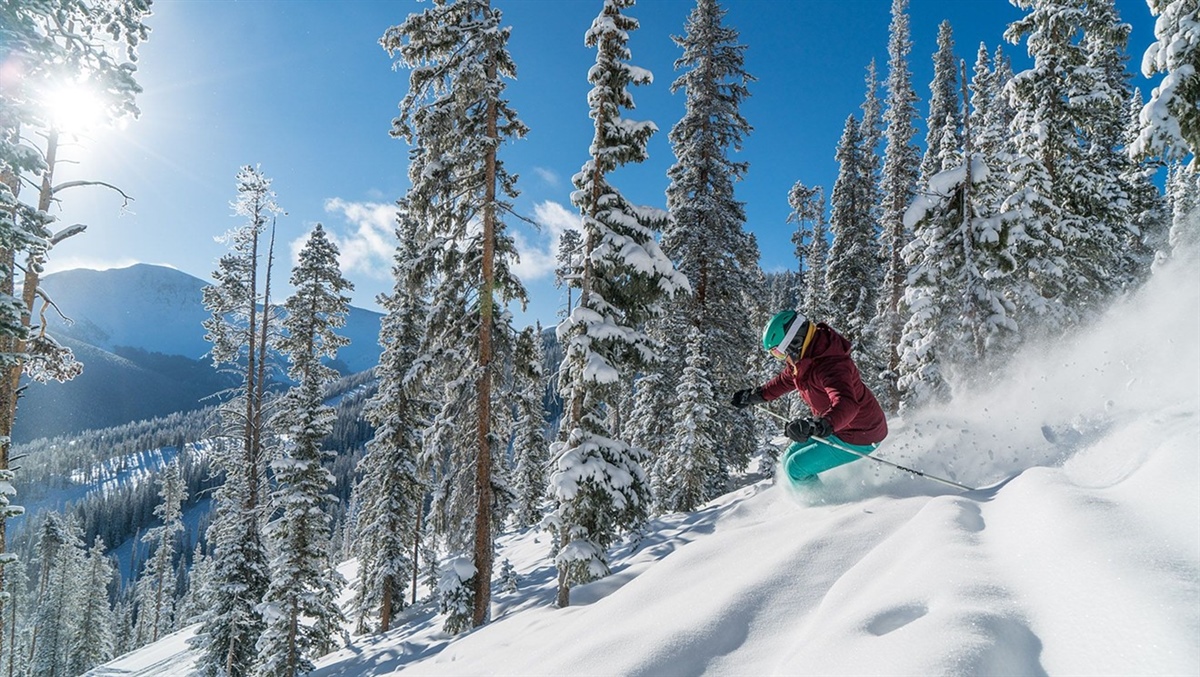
261,379
8,398
250,499
483,461
385,606
416,552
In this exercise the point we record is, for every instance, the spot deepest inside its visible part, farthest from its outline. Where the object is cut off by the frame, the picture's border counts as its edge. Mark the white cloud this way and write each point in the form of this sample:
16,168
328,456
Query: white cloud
538,259
369,243
547,175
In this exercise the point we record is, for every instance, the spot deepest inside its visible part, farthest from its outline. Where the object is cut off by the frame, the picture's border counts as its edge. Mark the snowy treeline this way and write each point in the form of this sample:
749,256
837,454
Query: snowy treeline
105,487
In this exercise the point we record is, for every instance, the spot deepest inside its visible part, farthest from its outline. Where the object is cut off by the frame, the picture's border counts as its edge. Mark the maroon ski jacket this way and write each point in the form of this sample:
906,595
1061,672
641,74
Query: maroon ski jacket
829,382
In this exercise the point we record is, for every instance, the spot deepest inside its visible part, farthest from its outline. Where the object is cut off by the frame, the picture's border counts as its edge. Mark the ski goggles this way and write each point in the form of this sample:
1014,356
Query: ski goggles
779,352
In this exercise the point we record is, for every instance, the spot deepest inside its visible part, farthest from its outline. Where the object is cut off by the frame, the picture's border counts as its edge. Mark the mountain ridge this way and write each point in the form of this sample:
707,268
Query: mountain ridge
138,332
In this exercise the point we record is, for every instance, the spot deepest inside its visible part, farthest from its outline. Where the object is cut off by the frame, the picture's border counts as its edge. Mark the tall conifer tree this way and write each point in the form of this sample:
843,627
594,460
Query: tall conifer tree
529,439
706,237
901,164
242,329
808,212
390,495
943,125
300,606
456,118
599,482
94,641
156,587
852,275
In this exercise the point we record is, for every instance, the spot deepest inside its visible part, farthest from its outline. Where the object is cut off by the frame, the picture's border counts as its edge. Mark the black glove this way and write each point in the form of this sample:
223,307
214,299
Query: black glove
803,428
747,397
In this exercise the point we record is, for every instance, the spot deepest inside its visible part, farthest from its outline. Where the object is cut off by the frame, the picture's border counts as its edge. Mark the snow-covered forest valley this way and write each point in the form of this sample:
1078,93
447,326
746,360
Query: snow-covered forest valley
1017,268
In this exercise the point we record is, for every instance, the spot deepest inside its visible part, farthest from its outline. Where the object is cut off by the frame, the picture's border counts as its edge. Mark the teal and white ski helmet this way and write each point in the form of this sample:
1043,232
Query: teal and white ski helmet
781,329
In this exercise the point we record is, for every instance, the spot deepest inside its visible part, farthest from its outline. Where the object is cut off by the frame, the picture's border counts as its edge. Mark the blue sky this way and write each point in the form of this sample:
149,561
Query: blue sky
302,88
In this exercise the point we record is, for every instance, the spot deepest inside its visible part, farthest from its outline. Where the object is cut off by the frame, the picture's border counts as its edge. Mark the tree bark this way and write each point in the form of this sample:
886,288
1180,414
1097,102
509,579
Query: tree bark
483,461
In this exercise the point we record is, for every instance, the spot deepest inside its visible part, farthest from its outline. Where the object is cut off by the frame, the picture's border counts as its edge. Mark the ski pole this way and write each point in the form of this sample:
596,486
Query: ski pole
848,450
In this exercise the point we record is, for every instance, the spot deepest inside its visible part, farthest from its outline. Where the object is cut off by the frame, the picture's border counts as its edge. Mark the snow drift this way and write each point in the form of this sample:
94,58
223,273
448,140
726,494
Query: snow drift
1078,554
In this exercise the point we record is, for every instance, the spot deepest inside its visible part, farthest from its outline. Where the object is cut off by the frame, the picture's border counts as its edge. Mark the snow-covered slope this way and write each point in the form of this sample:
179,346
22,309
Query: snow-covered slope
155,308
1078,554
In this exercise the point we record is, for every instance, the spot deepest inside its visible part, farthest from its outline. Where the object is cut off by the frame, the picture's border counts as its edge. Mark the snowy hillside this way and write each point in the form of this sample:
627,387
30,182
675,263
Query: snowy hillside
1078,554
154,308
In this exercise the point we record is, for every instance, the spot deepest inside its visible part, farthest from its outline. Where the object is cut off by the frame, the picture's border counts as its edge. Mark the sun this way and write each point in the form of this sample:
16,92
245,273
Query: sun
73,108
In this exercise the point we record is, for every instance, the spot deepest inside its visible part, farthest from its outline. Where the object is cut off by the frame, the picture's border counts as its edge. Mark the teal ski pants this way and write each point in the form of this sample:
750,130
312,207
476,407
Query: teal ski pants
804,460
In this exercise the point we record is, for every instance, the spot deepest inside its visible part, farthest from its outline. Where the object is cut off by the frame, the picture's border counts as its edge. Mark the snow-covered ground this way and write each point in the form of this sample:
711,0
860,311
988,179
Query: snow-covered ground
1078,554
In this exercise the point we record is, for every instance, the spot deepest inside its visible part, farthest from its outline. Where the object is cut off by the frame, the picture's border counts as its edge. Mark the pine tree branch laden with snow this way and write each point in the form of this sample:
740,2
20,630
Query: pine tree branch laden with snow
1170,120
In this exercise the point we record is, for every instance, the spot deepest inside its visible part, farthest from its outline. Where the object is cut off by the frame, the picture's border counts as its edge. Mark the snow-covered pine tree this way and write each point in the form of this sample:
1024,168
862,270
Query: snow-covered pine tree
871,132
456,119
14,658
1170,121
991,113
957,310
598,480
1044,150
650,419
1183,195
939,220
297,618
55,616
1096,194
199,578
390,493
94,641
852,274
529,434
1069,122
566,275
901,165
706,237
683,478
943,140
156,586
1145,238
991,324
56,43
808,213
242,329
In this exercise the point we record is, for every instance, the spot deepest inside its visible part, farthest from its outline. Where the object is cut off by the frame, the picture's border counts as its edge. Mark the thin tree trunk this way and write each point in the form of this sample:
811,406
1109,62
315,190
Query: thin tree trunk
416,552
249,500
385,605
8,399
483,461
261,379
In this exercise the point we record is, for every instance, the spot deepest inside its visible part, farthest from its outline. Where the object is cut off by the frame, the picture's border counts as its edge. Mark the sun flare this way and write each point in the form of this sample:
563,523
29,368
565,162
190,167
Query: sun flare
74,108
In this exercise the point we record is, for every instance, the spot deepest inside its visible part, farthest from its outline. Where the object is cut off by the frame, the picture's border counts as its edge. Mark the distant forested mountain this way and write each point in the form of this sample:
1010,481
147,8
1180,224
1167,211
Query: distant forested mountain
138,333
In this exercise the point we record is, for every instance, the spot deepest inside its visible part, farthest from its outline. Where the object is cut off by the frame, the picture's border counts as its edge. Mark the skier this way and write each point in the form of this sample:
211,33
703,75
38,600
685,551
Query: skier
819,367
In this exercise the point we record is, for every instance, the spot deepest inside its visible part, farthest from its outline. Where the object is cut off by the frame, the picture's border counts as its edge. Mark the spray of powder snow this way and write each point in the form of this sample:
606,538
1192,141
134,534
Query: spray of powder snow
1129,374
